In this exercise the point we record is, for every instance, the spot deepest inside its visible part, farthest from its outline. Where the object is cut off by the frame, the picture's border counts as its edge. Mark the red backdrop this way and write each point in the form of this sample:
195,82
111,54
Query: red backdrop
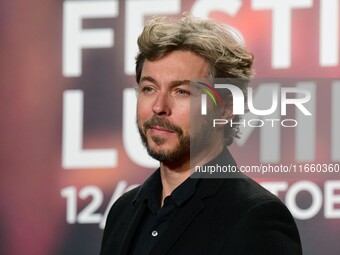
67,147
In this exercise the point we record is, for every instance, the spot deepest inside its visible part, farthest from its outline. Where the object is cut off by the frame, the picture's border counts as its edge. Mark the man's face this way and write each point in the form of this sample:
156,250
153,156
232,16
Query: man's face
163,105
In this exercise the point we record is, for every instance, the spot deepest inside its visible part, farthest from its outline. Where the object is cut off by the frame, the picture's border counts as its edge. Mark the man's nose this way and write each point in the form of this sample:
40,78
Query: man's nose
161,105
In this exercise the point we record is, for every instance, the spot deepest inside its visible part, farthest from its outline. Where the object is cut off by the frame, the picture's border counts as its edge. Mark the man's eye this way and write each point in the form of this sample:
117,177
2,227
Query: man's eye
147,89
183,92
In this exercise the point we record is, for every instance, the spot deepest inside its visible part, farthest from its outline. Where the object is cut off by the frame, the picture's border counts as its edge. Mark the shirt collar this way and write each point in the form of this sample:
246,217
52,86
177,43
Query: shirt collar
151,189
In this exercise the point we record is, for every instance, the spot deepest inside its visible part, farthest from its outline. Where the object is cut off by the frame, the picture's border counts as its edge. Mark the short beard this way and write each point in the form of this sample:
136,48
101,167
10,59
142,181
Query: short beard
182,148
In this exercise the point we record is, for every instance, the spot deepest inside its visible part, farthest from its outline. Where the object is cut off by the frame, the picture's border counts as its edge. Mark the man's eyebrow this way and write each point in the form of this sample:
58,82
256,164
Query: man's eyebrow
182,82
147,78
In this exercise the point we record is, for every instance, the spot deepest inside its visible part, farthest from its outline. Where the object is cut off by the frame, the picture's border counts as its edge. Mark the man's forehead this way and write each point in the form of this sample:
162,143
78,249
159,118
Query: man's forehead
185,65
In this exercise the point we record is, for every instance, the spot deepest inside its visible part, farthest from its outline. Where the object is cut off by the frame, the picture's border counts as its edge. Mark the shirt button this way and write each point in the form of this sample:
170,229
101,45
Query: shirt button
154,233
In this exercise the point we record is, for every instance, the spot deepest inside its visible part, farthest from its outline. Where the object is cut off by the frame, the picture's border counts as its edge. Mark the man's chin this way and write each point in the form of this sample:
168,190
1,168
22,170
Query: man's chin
160,155
165,155
166,150
158,150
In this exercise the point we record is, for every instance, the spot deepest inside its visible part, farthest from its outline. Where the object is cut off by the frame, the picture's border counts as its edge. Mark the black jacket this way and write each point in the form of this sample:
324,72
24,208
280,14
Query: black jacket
224,216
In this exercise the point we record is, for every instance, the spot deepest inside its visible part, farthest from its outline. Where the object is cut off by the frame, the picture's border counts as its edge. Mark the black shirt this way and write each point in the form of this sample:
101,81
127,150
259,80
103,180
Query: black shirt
156,219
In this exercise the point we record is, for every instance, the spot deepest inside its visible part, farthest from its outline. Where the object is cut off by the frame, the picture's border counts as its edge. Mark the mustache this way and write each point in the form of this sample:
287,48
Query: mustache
162,122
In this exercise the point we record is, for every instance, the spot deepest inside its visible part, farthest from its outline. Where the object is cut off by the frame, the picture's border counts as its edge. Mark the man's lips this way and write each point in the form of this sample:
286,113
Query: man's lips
158,129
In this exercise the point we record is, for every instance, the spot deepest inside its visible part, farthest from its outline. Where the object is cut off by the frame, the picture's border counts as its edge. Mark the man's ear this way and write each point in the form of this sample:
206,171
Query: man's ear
227,110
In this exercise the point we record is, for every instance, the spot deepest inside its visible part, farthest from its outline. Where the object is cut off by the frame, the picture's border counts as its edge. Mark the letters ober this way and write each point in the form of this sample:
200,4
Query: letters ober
178,211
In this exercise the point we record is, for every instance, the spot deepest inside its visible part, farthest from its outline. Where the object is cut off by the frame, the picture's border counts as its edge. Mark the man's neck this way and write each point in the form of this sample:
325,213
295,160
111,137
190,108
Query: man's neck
175,173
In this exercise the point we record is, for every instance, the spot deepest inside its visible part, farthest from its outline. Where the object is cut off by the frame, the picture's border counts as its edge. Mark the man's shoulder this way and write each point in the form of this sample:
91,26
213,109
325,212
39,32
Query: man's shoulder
262,216
249,189
243,194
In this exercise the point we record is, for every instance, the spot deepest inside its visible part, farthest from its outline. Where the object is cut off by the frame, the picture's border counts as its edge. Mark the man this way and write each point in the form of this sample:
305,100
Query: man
173,213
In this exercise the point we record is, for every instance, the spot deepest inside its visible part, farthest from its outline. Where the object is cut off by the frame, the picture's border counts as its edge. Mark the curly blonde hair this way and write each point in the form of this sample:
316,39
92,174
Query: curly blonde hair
226,55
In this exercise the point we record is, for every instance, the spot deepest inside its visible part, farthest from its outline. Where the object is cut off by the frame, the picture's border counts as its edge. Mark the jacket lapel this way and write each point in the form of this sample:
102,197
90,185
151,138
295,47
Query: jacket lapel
132,227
